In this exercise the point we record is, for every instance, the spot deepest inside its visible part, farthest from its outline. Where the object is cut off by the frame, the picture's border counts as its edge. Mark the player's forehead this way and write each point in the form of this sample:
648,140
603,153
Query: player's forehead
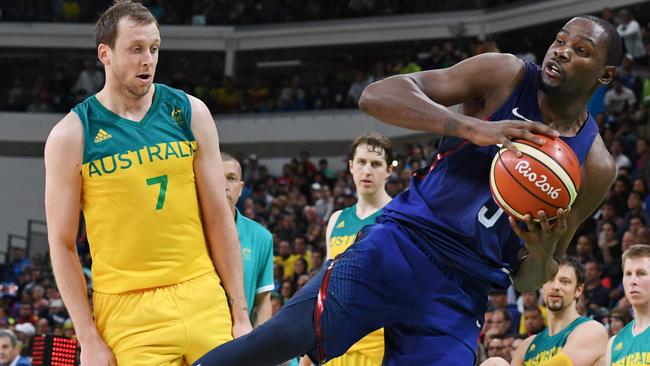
369,152
587,30
637,263
129,31
566,272
231,167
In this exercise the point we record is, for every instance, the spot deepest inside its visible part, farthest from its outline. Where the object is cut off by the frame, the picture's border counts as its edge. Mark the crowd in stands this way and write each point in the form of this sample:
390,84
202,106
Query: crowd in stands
222,12
296,204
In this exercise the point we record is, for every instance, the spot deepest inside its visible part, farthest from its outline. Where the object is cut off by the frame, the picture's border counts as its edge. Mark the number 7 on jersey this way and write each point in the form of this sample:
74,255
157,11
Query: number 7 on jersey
162,180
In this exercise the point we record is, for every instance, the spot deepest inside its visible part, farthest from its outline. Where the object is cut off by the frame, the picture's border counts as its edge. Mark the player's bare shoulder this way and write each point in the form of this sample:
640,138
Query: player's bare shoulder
599,165
66,137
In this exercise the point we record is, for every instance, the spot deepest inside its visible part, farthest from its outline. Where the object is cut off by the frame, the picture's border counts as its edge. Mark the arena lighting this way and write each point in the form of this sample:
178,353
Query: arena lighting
281,63
394,163
55,351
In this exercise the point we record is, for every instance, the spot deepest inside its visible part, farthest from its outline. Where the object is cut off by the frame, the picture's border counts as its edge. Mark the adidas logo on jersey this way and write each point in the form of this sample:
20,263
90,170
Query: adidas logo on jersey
341,225
102,135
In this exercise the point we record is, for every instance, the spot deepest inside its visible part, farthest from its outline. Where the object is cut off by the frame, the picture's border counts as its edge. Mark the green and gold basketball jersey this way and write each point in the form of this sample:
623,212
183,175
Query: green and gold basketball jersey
631,350
139,196
544,346
346,228
343,235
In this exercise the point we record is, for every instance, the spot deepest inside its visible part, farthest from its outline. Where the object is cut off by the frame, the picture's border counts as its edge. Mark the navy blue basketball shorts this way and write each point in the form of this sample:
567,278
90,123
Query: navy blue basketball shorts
383,280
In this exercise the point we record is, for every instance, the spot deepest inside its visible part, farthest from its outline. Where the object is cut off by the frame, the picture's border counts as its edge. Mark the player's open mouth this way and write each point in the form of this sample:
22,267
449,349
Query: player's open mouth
144,77
553,70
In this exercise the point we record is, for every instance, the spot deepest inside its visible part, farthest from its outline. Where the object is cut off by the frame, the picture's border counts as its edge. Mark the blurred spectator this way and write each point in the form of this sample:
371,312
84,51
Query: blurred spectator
630,32
534,320
17,265
620,158
227,97
596,296
354,92
497,348
619,101
9,350
17,97
90,80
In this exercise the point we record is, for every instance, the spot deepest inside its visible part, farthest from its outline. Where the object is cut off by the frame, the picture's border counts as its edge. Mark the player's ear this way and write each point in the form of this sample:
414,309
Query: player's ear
580,290
102,53
608,75
350,165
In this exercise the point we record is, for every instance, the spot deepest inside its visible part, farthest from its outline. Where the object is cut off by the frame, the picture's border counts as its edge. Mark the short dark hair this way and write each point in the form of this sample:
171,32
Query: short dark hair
579,270
106,27
533,308
377,142
506,314
614,42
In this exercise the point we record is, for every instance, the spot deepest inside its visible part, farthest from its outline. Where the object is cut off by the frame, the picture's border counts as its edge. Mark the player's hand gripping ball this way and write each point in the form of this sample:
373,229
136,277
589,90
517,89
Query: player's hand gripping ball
545,177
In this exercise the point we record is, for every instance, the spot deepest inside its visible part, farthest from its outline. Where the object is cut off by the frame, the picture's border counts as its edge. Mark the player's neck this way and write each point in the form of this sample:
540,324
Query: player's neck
558,320
368,205
119,101
641,318
563,113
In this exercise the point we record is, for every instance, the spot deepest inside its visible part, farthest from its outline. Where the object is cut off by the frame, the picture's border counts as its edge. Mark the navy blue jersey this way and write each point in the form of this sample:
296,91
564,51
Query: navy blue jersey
450,209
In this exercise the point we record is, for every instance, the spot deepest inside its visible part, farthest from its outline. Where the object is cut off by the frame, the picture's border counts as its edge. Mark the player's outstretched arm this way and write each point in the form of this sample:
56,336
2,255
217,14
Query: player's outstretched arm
547,242
63,159
218,221
420,101
587,344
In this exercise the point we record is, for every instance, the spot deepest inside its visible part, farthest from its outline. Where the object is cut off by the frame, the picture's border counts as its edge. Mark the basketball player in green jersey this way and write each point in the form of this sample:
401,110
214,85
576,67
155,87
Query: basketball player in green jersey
631,346
569,339
142,160
370,162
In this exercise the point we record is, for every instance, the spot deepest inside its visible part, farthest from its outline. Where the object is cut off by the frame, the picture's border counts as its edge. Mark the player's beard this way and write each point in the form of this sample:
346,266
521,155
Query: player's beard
132,88
556,305
549,90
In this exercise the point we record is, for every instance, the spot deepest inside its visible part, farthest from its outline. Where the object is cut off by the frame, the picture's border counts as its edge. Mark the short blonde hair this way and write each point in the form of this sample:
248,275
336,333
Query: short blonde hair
636,251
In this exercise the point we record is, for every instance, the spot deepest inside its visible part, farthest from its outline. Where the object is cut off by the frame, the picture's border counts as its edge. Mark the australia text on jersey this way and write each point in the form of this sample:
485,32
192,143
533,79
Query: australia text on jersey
145,155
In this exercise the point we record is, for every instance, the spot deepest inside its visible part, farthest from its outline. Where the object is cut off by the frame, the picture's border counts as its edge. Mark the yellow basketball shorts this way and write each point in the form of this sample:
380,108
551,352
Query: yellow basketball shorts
172,325
368,351
356,358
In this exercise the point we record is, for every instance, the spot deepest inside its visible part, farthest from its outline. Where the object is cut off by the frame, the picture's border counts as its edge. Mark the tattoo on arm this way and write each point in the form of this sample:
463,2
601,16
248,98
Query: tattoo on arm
231,304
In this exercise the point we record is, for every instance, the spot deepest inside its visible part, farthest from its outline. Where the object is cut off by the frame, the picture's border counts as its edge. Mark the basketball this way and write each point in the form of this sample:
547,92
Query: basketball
544,178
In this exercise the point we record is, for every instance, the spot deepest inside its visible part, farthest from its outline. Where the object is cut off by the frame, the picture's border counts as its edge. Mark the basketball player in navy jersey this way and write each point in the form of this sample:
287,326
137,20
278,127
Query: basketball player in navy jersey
425,270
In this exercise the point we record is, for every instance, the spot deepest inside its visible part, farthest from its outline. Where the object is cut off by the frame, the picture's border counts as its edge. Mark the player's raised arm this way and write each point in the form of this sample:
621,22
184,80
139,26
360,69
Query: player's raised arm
217,218
419,101
63,159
